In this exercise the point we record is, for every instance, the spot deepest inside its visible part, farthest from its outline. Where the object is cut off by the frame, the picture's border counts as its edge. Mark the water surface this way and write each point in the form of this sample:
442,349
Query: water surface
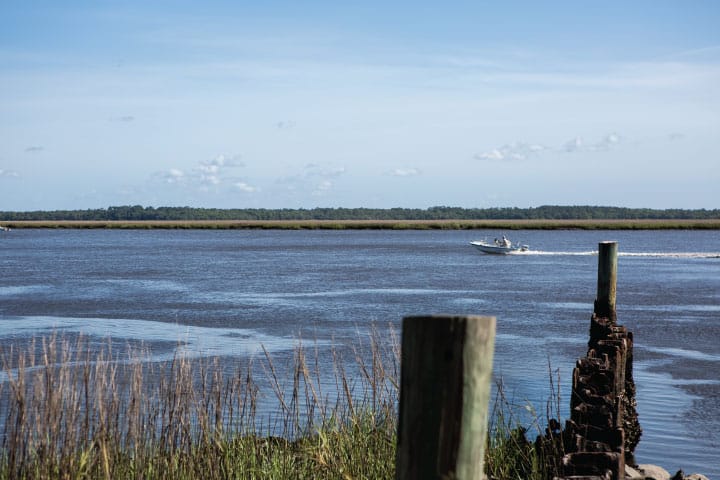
226,293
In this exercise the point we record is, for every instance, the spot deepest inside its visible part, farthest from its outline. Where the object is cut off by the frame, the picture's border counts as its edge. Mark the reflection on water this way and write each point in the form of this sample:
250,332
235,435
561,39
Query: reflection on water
190,341
685,353
662,409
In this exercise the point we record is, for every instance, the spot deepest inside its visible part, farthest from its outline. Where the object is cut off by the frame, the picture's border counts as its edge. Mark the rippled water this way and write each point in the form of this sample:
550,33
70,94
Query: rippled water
226,293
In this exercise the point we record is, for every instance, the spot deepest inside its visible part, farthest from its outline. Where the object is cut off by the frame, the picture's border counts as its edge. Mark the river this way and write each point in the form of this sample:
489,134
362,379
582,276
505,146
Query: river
225,292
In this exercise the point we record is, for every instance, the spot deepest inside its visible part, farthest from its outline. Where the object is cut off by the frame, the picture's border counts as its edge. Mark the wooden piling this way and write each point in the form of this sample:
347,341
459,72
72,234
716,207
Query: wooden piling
444,394
603,429
607,279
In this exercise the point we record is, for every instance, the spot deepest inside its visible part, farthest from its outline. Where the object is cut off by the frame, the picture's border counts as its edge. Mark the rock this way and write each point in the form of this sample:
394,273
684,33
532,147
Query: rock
632,474
696,476
654,472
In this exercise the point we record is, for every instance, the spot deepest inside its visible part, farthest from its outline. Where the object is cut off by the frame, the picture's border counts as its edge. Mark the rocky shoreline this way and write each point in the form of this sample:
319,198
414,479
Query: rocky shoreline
655,472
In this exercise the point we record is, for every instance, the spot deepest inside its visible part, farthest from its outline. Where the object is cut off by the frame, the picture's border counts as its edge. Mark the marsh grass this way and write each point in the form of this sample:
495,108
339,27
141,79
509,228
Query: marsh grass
448,224
72,409
524,444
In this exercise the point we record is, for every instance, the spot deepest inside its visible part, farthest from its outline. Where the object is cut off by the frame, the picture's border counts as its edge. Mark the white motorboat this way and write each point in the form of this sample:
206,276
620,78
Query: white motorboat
501,246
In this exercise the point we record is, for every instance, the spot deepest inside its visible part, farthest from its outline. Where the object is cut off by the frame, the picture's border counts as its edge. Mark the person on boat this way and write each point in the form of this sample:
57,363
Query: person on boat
505,241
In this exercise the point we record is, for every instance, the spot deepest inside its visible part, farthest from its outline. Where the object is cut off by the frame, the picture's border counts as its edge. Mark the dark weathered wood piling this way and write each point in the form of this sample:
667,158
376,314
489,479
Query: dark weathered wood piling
444,394
603,429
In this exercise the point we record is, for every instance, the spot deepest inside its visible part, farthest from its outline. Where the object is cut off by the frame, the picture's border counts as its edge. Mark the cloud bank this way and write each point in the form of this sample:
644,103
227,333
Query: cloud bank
520,151
207,175
315,180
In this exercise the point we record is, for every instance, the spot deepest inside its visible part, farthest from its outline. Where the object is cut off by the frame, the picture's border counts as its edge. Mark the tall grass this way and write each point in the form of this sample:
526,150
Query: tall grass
71,409
510,454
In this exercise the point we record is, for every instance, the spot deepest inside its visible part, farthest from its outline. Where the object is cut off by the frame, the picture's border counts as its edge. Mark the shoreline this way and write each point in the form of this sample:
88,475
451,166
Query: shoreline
627,224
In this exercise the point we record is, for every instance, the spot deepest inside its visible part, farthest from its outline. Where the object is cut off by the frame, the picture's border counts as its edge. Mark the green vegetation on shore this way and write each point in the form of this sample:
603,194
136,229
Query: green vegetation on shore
548,212
560,224
72,411
445,218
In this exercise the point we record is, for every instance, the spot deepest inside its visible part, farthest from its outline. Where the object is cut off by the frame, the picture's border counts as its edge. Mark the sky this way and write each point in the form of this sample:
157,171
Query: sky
286,104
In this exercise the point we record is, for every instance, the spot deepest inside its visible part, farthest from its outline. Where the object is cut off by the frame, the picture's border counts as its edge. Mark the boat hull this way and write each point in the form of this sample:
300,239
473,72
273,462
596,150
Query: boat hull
498,249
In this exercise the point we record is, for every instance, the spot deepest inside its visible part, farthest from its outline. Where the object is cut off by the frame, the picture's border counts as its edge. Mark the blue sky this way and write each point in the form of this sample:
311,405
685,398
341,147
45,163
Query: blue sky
412,104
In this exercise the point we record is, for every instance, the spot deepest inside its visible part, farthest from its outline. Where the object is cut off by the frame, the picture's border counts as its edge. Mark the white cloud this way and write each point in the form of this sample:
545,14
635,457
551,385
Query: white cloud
208,173
210,179
405,172
285,124
244,187
208,168
315,170
519,151
314,179
511,152
322,187
172,176
34,149
608,141
573,145
220,162
491,155
8,173
577,144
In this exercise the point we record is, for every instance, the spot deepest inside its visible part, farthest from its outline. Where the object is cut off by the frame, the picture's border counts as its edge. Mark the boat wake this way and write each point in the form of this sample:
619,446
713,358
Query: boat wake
547,253
627,254
672,255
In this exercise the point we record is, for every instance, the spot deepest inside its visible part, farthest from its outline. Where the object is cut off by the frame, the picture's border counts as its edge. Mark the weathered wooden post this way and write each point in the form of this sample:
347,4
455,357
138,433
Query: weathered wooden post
607,280
603,429
444,393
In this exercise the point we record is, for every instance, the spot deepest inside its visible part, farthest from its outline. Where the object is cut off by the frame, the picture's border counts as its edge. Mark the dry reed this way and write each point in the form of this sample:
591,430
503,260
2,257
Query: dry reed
71,408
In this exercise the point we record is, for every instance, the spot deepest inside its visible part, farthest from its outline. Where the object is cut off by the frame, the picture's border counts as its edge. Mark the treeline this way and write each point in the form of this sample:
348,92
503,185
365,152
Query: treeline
547,212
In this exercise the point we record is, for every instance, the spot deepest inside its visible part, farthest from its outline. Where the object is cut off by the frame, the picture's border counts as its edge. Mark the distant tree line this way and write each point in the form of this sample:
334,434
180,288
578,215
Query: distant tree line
546,212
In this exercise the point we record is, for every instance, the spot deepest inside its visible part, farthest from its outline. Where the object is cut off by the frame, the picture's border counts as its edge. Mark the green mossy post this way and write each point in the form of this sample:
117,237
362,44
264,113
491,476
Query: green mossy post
444,394
607,280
